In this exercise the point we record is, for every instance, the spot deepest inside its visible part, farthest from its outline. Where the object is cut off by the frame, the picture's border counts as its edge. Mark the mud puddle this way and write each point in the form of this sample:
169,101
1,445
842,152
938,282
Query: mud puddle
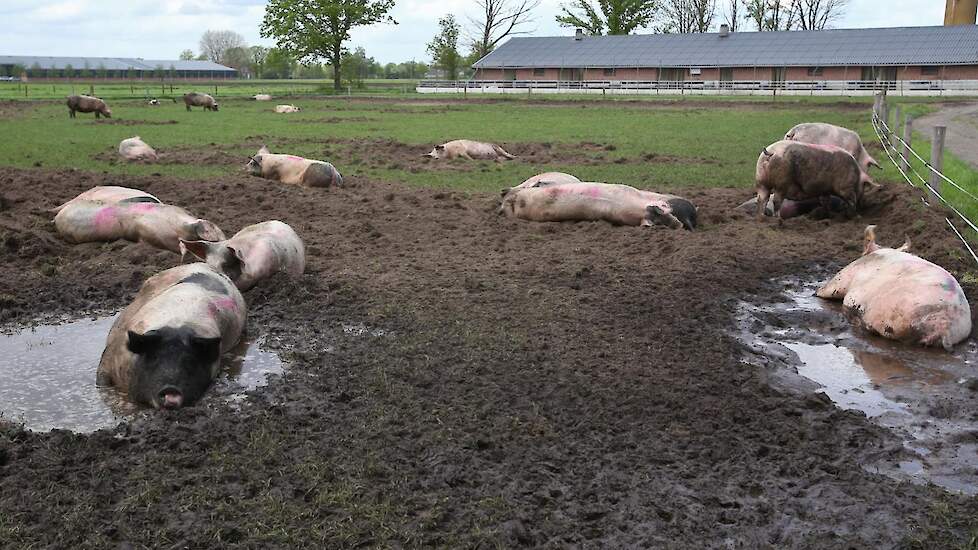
47,377
925,396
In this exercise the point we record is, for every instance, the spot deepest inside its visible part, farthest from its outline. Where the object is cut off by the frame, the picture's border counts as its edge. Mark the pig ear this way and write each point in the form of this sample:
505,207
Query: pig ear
200,249
439,147
504,191
207,349
869,240
143,343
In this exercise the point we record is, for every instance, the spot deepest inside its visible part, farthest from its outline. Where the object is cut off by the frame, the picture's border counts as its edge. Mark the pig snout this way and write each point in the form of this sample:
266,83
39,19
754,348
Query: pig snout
170,398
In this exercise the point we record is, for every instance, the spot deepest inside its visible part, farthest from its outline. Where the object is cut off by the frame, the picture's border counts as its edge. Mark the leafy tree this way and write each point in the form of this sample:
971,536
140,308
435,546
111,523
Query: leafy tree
356,67
278,64
610,16
102,73
159,72
444,47
69,71
35,70
318,29
497,20
238,58
187,55
258,55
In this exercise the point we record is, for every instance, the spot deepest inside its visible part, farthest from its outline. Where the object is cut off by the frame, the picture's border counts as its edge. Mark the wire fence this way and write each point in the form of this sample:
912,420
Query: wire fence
887,138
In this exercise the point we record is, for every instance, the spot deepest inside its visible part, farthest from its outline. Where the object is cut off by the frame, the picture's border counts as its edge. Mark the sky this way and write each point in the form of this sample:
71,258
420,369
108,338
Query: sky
161,29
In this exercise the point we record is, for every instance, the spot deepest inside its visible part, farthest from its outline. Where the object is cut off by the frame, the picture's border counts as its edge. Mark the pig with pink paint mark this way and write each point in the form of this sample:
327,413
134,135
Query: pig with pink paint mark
820,133
540,180
253,254
164,349
901,296
801,171
159,225
112,194
135,148
613,203
293,170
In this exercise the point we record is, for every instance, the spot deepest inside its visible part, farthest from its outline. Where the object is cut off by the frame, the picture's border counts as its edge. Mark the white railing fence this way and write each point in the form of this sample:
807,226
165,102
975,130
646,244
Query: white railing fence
708,87
907,160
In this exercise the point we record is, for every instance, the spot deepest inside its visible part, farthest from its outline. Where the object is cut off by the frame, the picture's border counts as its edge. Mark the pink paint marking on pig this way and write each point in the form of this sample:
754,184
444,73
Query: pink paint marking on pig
144,207
106,217
214,307
295,158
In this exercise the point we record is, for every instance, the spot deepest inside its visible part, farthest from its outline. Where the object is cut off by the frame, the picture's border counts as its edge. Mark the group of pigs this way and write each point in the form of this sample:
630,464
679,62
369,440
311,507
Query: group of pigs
164,349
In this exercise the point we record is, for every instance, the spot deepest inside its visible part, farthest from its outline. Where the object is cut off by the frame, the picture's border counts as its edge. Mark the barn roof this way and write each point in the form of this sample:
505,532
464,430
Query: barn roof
835,47
110,63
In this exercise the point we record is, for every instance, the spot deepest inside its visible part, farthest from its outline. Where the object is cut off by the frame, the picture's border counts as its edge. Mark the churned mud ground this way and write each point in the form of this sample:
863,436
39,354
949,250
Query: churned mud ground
555,385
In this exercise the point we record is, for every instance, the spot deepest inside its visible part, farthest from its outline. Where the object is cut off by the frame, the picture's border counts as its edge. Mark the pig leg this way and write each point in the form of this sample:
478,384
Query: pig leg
763,193
778,200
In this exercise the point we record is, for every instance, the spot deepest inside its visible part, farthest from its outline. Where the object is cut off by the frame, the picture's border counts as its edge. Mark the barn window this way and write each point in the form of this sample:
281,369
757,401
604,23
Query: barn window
539,72
609,72
814,71
930,70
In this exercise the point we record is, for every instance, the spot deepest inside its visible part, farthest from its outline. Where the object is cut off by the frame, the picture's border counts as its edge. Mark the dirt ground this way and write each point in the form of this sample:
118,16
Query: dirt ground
961,121
554,385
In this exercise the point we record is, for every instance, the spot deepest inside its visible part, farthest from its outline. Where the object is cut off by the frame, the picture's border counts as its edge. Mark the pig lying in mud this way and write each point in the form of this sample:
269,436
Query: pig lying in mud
820,133
540,180
159,225
901,296
254,253
793,209
284,109
164,350
800,171
87,104
196,99
293,170
135,148
613,203
262,97
111,194
467,149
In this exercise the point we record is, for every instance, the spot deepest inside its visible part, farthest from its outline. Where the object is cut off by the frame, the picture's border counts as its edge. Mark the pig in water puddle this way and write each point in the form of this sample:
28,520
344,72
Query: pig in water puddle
47,376
925,396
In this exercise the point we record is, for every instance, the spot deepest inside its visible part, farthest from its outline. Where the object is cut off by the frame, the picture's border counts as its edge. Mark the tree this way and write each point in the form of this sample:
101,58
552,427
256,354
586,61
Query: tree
771,15
611,16
444,47
214,45
815,15
685,16
187,55
69,71
317,29
732,14
497,20
356,67
238,58
278,64
101,71
258,56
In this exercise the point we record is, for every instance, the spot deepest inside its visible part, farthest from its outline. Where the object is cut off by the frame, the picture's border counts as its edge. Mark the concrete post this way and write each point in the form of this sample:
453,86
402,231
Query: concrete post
907,137
937,156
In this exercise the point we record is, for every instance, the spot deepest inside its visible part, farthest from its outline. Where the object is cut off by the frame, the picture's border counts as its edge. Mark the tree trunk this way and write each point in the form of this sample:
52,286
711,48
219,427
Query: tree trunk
337,81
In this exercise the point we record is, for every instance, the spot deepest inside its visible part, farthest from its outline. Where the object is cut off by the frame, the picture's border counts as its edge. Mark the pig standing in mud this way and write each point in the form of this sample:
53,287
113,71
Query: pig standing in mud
111,194
87,104
540,180
467,149
820,133
164,350
285,109
135,148
159,225
293,170
901,296
614,203
800,171
196,99
254,253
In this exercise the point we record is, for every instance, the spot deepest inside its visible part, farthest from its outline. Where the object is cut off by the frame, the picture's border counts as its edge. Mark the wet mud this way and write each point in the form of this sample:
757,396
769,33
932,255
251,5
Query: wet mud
460,379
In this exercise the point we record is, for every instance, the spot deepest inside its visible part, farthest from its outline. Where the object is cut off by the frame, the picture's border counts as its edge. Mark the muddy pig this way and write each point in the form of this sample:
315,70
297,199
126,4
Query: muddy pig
540,180
286,109
820,133
613,203
87,104
254,253
135,148
196,99
901,296
293,170
159,225
111,194
467,149
164,349
800,171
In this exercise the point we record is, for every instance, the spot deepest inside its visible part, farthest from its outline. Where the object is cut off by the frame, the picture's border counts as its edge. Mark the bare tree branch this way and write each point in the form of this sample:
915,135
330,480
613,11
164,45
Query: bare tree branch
498,20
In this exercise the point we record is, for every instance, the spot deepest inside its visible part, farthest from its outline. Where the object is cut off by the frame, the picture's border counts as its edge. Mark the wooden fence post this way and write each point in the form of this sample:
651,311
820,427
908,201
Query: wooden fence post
937,156
907,137
895,127
885,112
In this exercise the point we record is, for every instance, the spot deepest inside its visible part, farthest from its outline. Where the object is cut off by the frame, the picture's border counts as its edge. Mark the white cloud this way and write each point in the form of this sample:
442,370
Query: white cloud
160,29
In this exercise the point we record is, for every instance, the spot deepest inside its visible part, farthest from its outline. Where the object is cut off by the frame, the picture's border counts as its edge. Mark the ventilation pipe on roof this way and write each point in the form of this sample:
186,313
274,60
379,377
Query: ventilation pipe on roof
578,34
724,30
960,12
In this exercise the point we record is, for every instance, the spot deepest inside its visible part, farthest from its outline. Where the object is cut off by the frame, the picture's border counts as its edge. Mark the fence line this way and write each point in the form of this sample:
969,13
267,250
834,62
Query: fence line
884,133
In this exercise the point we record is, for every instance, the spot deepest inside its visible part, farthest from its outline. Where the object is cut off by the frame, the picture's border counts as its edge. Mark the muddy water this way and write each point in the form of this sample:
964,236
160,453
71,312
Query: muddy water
47,376
925,396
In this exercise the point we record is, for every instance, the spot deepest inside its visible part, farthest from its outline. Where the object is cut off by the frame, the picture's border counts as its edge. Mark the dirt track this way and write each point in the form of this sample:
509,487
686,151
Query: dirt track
961,121
539,384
